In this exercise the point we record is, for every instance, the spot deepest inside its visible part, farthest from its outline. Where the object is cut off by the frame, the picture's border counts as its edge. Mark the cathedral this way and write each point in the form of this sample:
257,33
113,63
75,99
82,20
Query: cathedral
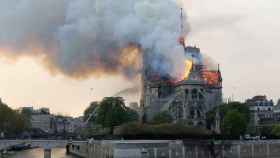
187,100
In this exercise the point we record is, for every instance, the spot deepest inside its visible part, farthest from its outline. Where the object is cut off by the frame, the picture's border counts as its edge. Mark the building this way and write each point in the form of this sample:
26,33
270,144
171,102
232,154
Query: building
62,125
277,107
39,118
260,104
187,99
42,121
261,110
28,109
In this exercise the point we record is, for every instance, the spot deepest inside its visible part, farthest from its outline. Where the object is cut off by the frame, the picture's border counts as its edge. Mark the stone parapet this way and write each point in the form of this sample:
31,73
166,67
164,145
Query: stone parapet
177,149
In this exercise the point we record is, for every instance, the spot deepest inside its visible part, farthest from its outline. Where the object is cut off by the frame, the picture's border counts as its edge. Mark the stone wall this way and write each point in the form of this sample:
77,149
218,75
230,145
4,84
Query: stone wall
177,149
79,149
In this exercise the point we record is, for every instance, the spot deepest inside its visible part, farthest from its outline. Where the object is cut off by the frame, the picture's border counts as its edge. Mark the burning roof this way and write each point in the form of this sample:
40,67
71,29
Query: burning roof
212,78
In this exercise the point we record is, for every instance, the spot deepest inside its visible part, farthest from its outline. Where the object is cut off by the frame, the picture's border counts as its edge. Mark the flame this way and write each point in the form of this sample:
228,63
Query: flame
130,58
188,68
211,77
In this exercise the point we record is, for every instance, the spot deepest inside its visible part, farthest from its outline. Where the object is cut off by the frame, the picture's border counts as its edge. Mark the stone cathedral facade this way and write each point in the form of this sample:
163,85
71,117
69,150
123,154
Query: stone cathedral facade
187,100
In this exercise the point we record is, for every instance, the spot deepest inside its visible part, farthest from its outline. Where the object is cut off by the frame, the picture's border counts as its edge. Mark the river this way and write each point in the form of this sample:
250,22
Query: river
39,153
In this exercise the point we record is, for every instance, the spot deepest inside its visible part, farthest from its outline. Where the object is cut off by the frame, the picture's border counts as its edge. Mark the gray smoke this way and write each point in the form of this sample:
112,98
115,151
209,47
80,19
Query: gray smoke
84,37
128,91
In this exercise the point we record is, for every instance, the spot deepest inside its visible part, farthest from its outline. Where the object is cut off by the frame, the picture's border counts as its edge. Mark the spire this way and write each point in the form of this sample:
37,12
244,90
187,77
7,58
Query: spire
181,38
220,75
182,22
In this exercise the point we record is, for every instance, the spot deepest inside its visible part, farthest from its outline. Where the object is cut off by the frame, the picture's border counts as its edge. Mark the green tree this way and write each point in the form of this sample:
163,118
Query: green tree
11,122
275,130
89,111
227,112
226,107
132,115
26,114
266,130
234,124
162,117
113,112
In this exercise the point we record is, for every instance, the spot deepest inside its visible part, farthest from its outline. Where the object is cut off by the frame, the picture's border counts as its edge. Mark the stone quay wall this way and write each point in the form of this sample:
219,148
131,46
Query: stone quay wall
176,149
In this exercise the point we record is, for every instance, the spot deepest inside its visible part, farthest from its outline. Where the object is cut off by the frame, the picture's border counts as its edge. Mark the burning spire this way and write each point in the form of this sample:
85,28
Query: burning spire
188,68
182,38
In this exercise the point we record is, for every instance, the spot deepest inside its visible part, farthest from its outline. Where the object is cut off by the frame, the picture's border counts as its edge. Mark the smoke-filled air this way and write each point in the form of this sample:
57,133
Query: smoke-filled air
84,38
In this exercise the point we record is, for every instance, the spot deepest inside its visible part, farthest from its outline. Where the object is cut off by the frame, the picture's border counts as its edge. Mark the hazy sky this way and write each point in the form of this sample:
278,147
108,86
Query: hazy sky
241,35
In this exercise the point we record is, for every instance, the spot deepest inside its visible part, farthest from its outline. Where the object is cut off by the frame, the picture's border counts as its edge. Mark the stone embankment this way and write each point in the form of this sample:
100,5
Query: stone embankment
175,149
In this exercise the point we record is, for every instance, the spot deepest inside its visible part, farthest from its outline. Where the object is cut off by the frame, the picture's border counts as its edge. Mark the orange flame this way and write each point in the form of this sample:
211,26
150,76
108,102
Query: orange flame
188,68
130,57
211,77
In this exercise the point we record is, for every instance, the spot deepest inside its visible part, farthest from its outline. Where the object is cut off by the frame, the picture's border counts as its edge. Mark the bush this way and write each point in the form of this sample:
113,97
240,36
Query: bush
162,117
160,130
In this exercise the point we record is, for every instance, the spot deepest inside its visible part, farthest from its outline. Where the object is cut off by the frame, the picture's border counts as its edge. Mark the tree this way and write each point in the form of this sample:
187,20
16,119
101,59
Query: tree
162,117
275,130
132,115
113,112
267,130
231,114
11,122
89,111
234,124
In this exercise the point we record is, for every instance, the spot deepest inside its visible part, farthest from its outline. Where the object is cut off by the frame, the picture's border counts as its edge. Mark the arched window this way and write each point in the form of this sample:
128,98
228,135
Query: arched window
186,93
200,123
194,94
200,96
198,113
180,112
192,114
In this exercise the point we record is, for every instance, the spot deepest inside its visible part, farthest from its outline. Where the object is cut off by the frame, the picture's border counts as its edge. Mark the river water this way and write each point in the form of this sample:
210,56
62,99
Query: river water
39,153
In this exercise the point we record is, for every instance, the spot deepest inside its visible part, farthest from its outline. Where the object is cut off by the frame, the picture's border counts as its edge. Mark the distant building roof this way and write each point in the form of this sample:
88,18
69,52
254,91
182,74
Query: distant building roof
259,97
192,49
259,100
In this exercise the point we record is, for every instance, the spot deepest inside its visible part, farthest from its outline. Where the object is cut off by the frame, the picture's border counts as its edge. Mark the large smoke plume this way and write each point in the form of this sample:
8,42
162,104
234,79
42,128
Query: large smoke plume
80,38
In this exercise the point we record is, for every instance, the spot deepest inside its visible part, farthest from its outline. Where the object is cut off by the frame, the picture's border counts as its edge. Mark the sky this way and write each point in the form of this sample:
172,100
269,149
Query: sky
241,35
